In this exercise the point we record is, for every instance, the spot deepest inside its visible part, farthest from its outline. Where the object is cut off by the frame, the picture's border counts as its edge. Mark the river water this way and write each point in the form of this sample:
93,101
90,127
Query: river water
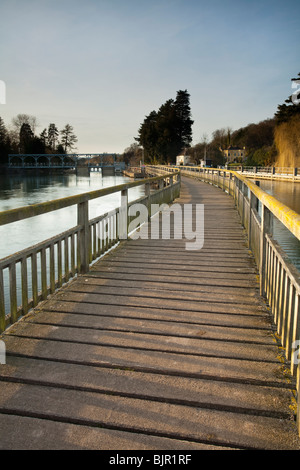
18,191
288,193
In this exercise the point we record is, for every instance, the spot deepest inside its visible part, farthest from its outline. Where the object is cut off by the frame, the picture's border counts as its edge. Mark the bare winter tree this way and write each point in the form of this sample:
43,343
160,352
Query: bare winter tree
21,119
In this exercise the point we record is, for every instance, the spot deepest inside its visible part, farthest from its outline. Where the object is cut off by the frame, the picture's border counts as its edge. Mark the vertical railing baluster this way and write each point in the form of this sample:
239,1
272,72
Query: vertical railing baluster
98,239
66,256
268,264
265,229
94,250
282,295
44,274
59,264
73,254
13,292
286,307
84,238
2,303
295,337
34,278
270,275
123,215
52,268
277,296
117,227
109,244
274,290
24,283
290,322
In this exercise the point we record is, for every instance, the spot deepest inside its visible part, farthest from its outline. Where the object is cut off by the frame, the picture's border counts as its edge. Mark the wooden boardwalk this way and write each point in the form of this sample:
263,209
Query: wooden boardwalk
156,348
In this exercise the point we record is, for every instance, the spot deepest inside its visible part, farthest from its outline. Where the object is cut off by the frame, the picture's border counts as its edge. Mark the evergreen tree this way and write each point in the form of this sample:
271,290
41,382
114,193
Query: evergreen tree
4,143
52,136
68,138
289,108
148,137
165,133
26,138
44,137
168,143
183,113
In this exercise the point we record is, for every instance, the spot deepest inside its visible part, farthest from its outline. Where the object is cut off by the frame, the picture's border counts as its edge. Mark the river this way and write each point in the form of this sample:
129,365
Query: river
288,193
18,191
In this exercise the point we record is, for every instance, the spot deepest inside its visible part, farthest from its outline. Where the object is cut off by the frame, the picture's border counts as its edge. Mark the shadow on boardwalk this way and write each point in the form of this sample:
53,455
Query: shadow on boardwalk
156,348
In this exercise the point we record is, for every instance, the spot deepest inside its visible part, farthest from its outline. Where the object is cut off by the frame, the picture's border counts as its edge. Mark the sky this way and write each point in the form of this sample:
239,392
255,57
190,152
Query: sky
103,65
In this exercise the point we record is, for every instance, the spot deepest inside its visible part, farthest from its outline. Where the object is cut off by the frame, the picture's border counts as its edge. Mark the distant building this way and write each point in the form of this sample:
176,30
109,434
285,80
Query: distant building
205,163
234,154
182,160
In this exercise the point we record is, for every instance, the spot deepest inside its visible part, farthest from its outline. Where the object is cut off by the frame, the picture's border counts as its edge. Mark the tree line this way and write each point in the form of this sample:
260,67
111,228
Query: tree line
20,137
165,133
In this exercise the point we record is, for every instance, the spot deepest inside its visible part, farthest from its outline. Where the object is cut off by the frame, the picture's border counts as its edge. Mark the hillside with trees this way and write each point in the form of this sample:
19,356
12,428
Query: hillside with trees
274,141
168,131
20,137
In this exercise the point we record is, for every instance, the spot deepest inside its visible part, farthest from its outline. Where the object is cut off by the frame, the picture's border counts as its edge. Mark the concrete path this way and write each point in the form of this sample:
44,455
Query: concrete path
156,348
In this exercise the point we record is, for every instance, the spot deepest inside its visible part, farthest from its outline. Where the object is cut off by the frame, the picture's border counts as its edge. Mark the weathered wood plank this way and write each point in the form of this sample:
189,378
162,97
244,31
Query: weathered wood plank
123,413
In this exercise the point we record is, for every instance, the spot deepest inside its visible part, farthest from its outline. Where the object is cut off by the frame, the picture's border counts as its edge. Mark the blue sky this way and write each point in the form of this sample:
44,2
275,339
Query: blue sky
103,65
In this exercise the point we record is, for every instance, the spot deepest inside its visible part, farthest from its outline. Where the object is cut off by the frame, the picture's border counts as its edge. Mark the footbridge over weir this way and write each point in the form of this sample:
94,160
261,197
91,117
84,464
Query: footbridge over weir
135,342
82,164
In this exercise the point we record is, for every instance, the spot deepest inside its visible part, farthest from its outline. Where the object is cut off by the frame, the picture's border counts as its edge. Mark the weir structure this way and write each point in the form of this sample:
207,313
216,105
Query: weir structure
82,163
149,345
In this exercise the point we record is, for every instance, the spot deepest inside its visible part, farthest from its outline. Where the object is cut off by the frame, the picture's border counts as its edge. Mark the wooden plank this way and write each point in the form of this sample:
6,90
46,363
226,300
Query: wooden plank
215,315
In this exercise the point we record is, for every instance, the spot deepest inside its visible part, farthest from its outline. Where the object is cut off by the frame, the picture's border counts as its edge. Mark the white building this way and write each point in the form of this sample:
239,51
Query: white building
182,160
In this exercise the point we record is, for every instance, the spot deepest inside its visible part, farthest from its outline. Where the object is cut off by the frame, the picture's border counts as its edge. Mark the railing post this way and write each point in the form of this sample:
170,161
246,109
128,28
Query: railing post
123,215
2,303
298,400
244,195
84,237
264,229
252,204
171,187
235,186
229,184
147,194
